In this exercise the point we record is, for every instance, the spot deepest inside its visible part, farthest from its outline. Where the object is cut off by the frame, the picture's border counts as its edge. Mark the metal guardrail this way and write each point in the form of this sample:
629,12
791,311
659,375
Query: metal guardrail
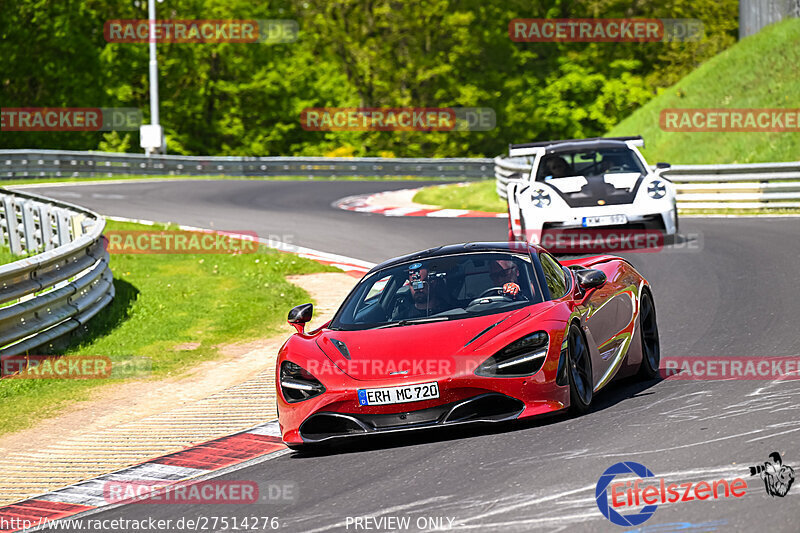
56,163
746,186
758,185
66,283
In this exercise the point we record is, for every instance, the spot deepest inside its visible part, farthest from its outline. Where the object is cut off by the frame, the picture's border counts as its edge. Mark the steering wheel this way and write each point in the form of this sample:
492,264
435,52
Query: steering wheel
485,293
591,168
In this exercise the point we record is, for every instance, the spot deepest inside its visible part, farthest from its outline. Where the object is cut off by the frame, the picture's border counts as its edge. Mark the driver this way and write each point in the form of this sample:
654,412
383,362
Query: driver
611,162
558,166
505,273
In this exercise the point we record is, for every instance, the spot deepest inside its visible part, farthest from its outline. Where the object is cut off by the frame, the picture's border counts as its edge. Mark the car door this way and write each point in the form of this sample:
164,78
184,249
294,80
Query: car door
607,314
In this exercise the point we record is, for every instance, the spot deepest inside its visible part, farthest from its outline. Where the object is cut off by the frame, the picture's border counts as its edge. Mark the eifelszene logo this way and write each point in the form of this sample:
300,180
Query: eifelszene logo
633,494
601,494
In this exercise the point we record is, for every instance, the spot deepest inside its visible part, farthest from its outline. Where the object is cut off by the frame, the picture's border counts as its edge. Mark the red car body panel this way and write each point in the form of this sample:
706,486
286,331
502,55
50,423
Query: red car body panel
449,352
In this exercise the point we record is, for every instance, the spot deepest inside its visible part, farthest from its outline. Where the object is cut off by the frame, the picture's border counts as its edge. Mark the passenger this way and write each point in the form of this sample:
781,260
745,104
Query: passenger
427,294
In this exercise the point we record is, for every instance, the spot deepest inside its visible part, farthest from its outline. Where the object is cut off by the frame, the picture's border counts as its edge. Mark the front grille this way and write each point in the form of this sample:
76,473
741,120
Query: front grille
492,407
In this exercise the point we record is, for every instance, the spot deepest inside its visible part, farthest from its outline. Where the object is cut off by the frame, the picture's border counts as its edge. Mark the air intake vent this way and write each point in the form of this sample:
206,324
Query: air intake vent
342,347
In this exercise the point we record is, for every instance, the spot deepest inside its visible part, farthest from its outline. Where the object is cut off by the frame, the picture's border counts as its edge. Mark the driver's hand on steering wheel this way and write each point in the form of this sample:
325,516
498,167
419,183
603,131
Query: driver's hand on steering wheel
510,289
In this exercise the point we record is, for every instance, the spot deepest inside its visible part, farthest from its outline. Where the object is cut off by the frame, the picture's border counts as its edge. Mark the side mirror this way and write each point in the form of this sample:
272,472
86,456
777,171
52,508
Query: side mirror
299,315
663,165
590,278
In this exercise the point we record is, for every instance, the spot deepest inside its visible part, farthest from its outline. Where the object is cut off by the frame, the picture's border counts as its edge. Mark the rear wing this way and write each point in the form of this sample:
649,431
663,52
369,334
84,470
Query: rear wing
534,148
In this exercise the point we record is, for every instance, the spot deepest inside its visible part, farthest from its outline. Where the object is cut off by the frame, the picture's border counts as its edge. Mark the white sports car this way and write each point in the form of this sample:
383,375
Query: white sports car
599,183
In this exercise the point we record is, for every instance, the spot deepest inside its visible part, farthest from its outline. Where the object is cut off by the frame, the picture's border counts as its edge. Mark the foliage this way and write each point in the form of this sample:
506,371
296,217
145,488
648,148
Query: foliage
245,99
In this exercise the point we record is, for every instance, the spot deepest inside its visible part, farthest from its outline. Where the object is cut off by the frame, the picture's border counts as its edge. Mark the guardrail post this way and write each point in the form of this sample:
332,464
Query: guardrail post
46,223
62,227
12,225
29,227
76,223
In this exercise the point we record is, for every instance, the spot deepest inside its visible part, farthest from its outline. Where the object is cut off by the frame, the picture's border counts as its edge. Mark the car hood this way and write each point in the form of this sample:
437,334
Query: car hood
427,349
612,189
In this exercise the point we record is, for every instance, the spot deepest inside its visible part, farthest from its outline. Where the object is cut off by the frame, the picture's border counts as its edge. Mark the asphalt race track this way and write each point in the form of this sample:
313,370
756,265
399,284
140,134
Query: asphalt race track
730,290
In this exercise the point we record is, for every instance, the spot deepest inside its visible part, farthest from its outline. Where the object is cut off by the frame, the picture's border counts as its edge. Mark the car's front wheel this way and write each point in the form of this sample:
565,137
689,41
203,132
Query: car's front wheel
675,212
581,384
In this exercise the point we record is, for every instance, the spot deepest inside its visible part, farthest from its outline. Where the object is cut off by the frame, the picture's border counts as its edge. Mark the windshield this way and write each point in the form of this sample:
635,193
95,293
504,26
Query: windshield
589,163
442,288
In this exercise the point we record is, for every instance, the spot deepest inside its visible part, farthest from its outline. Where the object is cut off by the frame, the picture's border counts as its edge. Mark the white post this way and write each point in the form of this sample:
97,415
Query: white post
151,14
150,136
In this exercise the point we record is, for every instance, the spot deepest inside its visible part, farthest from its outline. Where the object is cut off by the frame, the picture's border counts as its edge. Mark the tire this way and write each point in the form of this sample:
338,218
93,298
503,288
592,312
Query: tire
676,220
579,371
648,329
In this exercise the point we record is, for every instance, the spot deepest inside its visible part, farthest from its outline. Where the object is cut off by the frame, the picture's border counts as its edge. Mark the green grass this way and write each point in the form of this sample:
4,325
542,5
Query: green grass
760,211
477,196
162,302
7,257
761,71
26,181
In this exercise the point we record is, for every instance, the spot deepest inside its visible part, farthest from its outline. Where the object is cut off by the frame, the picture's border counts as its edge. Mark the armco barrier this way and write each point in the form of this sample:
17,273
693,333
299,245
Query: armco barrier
53,292
758,185
54,163
746,186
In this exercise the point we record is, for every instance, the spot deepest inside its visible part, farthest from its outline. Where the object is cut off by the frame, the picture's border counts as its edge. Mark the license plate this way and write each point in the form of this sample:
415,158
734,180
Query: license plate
404,394
608,220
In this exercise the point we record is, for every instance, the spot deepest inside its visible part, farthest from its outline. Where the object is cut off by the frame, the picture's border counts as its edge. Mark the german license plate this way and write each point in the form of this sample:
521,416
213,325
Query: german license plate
608,220
404,394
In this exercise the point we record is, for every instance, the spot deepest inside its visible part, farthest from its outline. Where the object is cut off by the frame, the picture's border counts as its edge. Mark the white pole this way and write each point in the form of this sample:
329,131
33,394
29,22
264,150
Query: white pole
151,12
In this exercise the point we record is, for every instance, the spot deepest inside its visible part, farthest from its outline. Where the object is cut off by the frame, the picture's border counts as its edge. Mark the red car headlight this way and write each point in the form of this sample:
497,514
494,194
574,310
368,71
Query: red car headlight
523,357
297,383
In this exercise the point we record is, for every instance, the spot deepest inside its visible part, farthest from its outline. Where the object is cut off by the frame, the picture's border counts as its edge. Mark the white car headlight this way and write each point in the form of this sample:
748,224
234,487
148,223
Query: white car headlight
656,190
540,198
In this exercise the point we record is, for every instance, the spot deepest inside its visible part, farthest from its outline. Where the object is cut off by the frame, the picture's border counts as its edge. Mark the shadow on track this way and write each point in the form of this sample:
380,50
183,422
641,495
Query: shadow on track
618,392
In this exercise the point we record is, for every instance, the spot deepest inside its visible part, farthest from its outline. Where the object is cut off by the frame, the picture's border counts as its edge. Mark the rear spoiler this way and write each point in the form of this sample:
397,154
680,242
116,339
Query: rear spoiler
533,148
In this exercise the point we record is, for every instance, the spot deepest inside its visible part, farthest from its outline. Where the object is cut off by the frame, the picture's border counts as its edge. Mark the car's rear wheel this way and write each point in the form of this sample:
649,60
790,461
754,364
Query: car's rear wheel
581,384
651,347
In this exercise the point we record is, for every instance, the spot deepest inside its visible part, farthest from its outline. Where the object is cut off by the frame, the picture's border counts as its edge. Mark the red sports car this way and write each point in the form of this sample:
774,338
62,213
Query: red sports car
479,332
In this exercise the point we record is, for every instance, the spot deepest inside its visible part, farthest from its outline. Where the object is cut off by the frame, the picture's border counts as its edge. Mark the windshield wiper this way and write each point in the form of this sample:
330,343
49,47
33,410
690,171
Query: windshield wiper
414,321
